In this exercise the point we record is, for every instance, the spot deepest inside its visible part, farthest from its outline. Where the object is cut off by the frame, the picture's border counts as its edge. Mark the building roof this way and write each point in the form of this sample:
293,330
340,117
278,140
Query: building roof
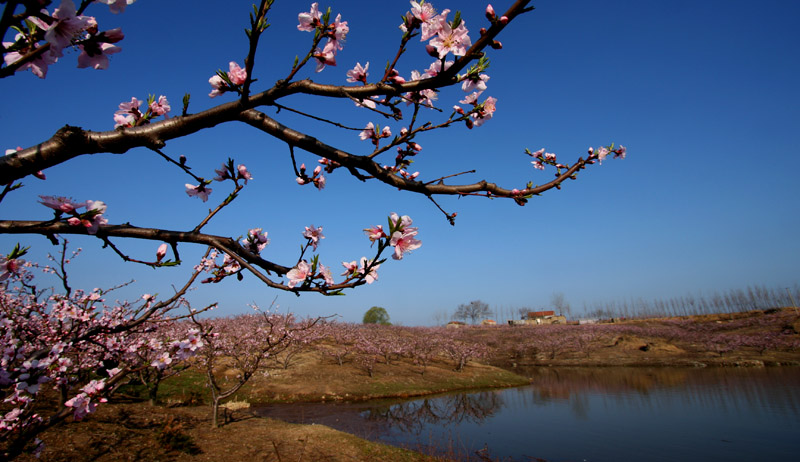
540,314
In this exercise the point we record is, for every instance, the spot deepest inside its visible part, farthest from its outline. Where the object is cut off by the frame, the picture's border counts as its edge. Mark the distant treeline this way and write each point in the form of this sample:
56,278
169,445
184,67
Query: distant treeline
733,301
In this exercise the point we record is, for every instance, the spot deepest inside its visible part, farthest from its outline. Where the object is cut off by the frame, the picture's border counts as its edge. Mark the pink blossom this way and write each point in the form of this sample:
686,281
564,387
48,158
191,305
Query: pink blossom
326,57
256,241
218,86
60,34
95,55
95,219
116,6
298,274
425,97
485,112
340,30
400,223
350,268
435,68
314,235
537,164
404,242
601,154
368,132
160,106
375,233
82,406
550,156
126,120
230,265
202,191
326,274
449,40
111,36
474,82
319,182
429,21
38,66
9,266
161,252
309,21
61,204
236,73
367,102
471,98
372,276
243,173
358,73
222,173
620,152
130,108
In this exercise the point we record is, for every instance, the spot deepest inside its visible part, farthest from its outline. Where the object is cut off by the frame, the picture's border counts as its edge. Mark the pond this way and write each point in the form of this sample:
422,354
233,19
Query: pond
591,414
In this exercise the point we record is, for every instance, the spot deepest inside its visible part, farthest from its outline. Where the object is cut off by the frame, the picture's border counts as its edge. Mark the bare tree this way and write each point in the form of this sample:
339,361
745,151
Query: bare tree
560,304
473,311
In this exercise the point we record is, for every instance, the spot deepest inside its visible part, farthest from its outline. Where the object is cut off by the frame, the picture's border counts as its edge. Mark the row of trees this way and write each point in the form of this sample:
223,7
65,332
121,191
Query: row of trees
732,301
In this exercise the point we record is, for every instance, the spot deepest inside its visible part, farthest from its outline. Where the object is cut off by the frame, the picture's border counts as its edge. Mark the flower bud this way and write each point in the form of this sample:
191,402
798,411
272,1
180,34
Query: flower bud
431,50
504,20
490,15
161,252
496,45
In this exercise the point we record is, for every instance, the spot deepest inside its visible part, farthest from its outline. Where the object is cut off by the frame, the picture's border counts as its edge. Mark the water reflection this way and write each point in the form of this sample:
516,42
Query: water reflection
415,416
772,390
593,414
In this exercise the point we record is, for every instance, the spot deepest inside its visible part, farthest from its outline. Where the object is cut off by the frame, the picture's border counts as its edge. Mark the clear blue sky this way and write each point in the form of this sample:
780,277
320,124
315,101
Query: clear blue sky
703,94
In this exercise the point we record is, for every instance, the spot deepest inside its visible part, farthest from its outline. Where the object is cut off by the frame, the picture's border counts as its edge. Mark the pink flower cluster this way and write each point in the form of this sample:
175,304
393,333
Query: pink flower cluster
230,81
602,152
313,235
367,269
374,134
82,404
316,177
225,172
130,114
445,36
304,271
62,29
91,219
481,112
335,32
541,158
256,241
403,235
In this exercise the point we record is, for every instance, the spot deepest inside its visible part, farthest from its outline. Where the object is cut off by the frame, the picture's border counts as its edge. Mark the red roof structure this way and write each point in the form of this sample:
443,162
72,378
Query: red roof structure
540,314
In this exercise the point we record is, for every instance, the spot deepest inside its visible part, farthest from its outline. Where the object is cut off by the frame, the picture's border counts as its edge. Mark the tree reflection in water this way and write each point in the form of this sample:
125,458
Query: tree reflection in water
414,416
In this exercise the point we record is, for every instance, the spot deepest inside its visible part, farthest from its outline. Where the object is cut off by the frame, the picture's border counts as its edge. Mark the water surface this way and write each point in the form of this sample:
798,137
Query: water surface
591,414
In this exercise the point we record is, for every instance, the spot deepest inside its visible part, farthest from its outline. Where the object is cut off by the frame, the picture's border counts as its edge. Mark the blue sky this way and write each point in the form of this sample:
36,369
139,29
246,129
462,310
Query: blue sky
703,95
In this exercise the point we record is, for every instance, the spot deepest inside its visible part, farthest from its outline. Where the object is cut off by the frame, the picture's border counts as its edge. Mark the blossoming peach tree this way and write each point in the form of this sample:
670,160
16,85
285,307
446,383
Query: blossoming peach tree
50,337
